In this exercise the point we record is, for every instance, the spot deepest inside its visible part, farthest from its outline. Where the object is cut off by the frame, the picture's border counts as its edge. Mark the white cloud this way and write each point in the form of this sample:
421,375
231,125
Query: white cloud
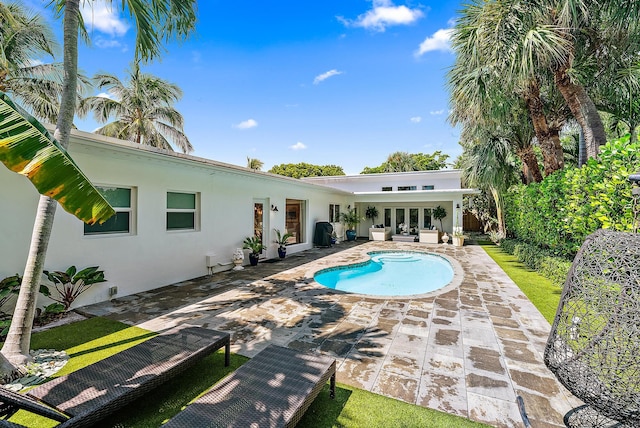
324,76
436,112
298,146
106,19
247,124
384,14
105,95
416,119
439,41
104,43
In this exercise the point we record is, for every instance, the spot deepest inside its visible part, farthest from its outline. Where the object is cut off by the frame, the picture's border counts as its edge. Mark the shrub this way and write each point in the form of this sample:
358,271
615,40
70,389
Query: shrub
551,266
558,213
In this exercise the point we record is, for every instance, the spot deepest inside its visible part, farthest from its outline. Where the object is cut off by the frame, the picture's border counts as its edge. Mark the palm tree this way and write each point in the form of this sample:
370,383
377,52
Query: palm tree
400,162
156,21
142,108
25,36
488,165
485,40
255,164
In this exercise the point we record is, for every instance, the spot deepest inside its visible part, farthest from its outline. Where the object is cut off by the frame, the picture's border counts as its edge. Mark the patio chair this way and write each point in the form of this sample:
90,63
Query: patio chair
593,347
87,395
273,389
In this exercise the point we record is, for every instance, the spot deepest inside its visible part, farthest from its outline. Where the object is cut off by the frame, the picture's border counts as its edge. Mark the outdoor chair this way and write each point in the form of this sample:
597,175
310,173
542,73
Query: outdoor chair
273,389
594,346
87,395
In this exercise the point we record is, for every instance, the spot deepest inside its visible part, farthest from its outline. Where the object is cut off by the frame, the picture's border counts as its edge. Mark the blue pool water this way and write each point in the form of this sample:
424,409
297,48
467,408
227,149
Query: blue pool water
397,273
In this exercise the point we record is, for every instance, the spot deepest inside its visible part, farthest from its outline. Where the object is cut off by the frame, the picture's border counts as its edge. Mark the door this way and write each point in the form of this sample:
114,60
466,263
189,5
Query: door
259,221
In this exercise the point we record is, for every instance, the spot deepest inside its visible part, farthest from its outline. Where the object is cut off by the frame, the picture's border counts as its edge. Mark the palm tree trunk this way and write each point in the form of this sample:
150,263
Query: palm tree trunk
548,140
528,158
583,109
499,211
16,347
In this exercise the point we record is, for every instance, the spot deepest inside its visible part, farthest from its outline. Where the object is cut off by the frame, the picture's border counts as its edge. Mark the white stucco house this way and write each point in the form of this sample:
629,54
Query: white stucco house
180,216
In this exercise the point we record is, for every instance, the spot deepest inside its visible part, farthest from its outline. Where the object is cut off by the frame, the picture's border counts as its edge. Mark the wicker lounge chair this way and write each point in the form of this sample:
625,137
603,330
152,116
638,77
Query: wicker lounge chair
273,389
87,395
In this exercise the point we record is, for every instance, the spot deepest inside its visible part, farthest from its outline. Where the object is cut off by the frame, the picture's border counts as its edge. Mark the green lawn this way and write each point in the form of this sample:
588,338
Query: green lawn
542,292
96,338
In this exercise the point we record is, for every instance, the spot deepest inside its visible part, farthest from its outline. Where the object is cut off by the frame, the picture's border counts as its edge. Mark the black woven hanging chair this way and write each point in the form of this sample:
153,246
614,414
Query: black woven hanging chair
594,344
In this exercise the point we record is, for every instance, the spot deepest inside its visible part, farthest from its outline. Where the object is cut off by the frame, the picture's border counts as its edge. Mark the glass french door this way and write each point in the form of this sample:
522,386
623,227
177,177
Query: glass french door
259,220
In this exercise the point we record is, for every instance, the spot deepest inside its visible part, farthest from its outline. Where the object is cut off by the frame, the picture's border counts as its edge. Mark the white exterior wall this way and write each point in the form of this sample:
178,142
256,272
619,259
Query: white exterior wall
152,256
441,180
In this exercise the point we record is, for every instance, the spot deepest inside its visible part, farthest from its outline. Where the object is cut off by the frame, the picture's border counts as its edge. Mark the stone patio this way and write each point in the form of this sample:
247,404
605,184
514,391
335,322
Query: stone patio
468,350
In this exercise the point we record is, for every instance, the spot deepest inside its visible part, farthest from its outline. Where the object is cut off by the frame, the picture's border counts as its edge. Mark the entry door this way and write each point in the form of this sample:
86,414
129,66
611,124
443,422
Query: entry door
259,216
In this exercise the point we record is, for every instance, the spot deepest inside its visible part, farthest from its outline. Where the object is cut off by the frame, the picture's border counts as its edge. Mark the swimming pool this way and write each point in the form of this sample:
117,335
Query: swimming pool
390,273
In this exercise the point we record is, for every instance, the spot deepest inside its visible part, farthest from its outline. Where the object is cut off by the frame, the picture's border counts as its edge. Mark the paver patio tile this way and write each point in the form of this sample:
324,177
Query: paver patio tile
444,392
467,350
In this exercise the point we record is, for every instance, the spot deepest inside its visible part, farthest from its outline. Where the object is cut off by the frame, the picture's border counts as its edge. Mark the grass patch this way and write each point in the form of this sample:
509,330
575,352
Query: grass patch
91,340
542,292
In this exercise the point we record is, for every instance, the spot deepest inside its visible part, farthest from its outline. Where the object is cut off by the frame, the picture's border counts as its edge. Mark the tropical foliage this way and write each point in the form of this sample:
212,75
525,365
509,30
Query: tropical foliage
27,148
567,206
25,38
142,109
404,162
254,163
302,169
71,283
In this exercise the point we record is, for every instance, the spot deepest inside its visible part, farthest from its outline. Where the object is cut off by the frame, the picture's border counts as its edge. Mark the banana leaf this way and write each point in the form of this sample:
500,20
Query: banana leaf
27,148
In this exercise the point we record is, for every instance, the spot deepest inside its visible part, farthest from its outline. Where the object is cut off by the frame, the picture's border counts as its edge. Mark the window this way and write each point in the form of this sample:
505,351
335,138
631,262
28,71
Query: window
334,213
405,188
429,187
387,189
295,210
121,199
182,211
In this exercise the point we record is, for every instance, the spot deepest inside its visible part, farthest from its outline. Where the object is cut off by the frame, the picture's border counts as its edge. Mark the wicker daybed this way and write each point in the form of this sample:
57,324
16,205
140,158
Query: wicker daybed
85,396
273,389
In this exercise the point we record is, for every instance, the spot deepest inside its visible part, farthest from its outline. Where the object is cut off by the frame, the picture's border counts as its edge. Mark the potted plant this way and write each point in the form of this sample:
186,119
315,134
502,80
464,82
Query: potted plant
371,213
281,240
253,243
351,219
458,236
438,214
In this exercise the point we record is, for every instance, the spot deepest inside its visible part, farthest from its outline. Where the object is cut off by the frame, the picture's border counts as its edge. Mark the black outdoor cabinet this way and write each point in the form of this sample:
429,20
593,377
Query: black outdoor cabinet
322,235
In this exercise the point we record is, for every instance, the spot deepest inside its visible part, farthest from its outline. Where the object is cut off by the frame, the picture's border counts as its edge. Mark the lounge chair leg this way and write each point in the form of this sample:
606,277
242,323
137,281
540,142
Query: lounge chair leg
227,352
332,386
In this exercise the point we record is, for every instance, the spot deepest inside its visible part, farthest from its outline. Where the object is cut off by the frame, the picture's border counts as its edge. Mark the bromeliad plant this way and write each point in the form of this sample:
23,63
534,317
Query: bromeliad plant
71,283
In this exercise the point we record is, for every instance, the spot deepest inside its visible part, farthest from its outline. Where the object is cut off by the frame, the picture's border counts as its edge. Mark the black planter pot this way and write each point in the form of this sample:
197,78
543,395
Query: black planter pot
253,259
351,235
282,252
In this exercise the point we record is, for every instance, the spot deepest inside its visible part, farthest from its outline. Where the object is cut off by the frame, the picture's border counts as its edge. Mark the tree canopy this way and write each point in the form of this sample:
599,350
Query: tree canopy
405,162
302,169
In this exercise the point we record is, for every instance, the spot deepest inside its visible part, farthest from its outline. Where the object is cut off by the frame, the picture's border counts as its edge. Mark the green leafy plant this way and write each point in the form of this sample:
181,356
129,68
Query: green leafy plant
70,284
371,213
253,243
281,240
438,214
558,213
9,286
350,218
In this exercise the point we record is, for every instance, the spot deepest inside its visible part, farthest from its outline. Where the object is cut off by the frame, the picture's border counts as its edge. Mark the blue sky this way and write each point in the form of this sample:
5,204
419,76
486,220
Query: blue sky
343,82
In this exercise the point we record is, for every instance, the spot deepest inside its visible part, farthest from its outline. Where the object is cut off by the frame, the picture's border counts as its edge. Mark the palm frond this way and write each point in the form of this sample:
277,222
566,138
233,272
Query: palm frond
27,148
